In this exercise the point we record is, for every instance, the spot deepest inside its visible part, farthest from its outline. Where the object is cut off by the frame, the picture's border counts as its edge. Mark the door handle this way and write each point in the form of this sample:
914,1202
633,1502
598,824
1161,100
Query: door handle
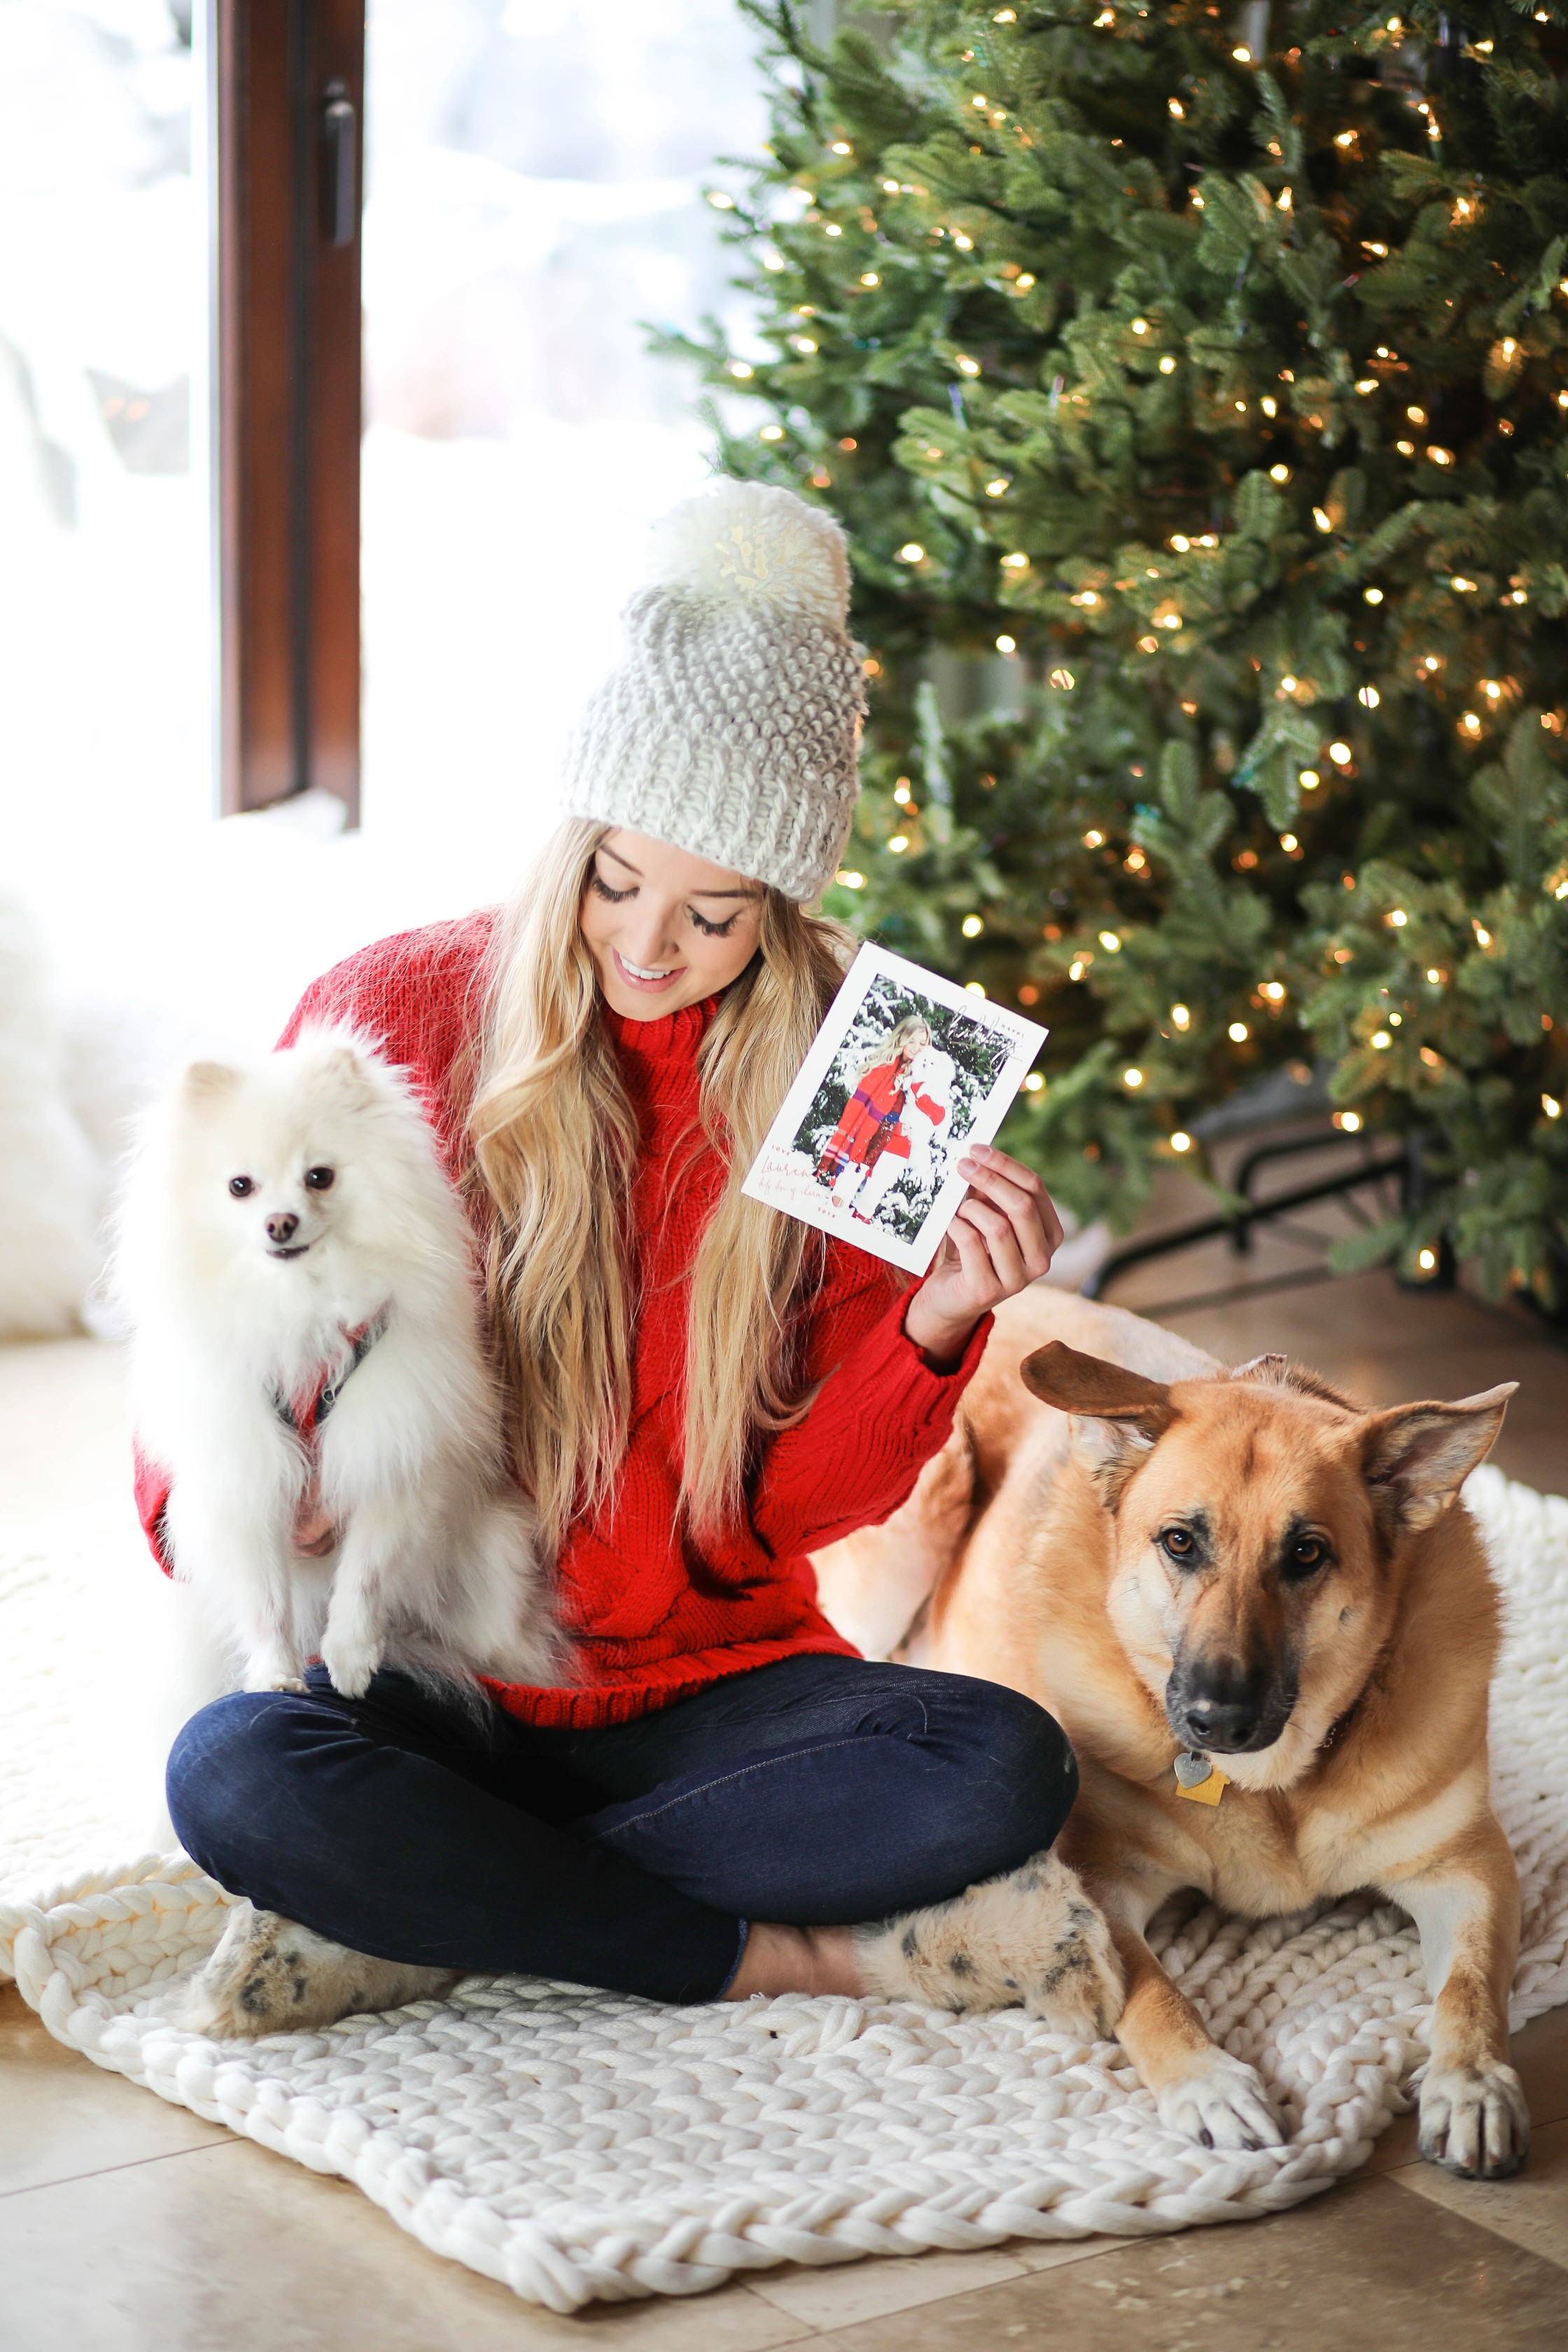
340,159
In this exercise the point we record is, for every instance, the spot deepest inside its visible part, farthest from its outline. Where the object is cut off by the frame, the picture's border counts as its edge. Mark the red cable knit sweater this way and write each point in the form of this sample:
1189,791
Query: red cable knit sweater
654,1613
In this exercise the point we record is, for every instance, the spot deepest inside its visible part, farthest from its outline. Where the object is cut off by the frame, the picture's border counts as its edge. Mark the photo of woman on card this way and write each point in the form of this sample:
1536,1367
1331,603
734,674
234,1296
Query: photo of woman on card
908,1071
871,1117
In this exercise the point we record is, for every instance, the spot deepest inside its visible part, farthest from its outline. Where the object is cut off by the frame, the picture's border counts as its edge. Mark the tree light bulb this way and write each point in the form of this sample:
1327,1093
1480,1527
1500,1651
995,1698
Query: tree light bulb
1372,596
1237,1033
1340,753
1006,645
1181,1141
1110,942
971,926
1181,1016
912,552
1133,1077
1309,780
1167,366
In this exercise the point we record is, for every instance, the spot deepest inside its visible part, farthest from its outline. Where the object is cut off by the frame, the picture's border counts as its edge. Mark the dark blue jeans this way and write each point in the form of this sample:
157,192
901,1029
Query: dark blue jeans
813,1791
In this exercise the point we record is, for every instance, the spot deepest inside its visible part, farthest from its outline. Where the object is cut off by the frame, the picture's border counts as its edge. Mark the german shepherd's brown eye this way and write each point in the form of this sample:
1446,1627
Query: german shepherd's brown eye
1307,1554
1178,1544
320,1180
241,1186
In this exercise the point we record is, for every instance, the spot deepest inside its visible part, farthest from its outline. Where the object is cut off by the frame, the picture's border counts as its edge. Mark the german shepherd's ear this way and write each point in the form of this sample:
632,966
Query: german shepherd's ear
1416,1457
1121,1415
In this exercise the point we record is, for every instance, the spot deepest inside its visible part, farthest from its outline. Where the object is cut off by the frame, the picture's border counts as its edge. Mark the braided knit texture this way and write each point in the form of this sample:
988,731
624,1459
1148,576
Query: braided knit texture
577,2146
730,726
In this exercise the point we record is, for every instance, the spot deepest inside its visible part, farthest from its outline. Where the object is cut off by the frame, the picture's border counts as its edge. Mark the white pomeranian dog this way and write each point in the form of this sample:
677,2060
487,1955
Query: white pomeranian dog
300,1282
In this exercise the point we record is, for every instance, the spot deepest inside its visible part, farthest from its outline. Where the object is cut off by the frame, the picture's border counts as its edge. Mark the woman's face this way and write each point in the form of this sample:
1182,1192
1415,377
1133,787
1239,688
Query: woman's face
665,929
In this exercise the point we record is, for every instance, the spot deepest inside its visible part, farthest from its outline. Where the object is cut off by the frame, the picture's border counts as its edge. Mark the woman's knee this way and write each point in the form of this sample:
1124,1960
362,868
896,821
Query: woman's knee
1022,1777
229,1768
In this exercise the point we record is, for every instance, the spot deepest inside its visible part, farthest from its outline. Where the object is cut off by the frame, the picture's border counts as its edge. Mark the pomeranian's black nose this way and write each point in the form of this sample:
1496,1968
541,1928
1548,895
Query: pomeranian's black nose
282,1227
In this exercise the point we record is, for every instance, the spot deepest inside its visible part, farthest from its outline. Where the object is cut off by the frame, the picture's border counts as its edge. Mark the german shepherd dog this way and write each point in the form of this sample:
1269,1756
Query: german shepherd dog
1267,1623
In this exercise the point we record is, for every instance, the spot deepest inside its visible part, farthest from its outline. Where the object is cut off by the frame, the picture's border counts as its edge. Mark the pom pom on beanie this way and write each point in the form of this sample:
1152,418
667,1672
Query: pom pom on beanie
731,726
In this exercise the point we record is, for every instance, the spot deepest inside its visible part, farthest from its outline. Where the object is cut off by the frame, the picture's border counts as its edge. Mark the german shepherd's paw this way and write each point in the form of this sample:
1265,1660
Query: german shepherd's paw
269,1976
1222,2102
1029,1939
1474,2121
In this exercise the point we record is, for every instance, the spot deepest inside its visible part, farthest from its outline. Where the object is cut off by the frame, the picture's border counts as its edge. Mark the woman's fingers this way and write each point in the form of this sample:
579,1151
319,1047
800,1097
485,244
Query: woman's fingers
974,1269
1016,1191
1008,1264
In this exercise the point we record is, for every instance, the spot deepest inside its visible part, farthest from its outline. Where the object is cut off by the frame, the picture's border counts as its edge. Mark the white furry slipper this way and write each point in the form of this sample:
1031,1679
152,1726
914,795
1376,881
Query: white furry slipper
1029,1939
269,1976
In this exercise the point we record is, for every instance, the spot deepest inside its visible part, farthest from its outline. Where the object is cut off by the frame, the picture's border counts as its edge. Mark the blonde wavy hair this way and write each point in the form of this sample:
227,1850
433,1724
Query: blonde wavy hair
895,1045
555,1140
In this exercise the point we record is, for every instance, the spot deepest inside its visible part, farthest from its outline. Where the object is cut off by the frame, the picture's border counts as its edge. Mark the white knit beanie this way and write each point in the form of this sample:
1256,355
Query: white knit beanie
732,726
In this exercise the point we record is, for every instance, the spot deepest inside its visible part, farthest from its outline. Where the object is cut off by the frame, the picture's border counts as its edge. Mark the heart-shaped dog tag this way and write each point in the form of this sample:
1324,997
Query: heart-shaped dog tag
1193,1769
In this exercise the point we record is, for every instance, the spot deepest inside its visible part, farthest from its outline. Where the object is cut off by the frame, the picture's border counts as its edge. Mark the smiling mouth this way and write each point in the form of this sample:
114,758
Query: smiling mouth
646,975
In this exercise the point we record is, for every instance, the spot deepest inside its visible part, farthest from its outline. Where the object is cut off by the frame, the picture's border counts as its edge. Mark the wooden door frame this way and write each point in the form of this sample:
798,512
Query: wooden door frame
289,397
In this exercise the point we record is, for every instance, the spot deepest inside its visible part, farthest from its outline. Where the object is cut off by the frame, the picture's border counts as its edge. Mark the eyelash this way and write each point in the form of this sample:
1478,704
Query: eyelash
709,930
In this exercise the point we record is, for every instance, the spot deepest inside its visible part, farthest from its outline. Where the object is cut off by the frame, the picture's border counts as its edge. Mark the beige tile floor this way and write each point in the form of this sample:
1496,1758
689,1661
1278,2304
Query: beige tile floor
128,2226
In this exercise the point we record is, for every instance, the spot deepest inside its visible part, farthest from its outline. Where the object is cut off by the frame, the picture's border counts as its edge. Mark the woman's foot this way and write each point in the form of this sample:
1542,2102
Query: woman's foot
797,1959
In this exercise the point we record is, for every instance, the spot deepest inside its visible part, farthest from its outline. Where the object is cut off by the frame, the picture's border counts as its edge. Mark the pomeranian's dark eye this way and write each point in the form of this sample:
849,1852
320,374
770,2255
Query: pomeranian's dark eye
240,1186
320,1179
1306,1555
1178,1544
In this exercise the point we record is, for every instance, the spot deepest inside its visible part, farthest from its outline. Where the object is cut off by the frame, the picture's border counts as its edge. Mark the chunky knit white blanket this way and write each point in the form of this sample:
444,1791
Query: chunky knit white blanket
580,2146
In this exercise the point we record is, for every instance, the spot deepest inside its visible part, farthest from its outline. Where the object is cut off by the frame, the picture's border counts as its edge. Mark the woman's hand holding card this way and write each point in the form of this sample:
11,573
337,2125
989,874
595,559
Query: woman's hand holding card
1004,1235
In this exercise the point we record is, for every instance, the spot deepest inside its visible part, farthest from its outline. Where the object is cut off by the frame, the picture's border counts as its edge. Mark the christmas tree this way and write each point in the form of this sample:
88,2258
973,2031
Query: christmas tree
1205,372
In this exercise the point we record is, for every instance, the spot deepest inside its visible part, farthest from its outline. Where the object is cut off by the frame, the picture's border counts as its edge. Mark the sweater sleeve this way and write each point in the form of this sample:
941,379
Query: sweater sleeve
881,1413
153,1487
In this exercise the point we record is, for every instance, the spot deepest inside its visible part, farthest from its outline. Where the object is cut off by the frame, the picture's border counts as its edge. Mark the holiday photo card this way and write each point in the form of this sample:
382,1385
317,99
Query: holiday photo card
906,1072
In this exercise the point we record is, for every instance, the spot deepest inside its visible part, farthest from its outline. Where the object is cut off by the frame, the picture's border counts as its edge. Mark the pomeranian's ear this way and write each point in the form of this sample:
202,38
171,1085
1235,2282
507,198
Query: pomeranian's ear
208,1081
346,1074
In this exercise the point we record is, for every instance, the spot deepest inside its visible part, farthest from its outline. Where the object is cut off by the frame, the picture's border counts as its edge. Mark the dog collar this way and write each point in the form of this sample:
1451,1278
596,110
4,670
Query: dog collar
1199,1778
308,1424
